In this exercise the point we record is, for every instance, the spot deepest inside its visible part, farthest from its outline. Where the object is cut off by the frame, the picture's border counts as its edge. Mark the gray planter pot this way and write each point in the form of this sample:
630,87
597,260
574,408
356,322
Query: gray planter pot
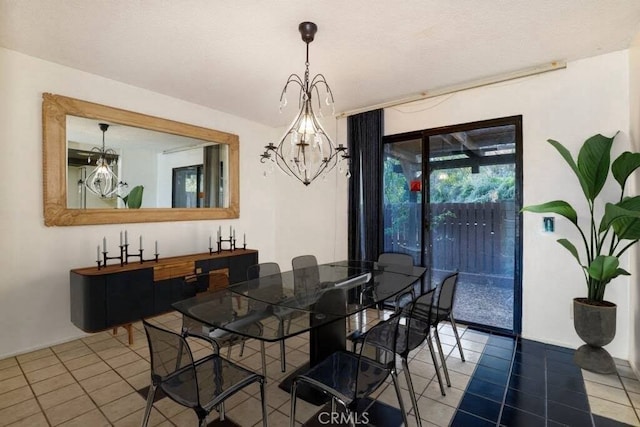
596,326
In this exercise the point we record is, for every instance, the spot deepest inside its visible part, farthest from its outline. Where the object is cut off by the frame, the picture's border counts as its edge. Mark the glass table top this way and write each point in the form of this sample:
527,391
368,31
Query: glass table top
294,302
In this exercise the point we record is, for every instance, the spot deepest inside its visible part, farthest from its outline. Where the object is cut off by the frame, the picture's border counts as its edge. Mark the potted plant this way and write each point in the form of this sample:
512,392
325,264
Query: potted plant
133,200
612,227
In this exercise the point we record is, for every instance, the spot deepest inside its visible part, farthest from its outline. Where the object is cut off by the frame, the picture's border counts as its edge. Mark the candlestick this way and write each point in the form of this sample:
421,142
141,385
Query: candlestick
104,243
140,242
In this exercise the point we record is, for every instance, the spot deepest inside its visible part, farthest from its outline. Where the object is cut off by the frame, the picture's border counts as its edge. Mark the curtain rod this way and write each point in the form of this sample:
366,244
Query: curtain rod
525,72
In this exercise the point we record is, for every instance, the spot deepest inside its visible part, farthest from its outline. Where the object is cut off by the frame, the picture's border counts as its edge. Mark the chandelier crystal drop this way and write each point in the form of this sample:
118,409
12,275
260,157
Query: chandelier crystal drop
103,181
305,151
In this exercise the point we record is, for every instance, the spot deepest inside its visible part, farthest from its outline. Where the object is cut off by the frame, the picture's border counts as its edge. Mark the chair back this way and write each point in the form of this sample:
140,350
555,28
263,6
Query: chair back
305,272
172,367
416,329
265,269
375,361
447,294
395,258
265,283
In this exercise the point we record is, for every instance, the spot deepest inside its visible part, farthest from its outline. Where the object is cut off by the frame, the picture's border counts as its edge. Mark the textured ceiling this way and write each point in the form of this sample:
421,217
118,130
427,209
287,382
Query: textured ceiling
235,56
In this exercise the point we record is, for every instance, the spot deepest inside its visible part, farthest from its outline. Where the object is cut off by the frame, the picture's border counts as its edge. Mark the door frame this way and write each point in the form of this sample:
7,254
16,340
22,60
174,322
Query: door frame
424,135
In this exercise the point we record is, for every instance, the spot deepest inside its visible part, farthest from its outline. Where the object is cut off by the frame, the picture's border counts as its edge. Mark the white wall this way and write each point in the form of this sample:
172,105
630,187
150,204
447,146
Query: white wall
634,114
35,261
588,97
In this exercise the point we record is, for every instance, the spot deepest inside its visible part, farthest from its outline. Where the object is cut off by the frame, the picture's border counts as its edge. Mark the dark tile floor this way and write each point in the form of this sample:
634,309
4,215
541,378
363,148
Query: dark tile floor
518,382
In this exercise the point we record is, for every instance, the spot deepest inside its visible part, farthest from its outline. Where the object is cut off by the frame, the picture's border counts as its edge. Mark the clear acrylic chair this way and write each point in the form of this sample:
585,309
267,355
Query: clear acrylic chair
444,306
202,385
268,275
412,331
396,258
219,338
348,377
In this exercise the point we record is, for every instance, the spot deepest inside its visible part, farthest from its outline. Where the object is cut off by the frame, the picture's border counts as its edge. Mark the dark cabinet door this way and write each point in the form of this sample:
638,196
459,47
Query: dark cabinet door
88,309
238,266
129,296
166,292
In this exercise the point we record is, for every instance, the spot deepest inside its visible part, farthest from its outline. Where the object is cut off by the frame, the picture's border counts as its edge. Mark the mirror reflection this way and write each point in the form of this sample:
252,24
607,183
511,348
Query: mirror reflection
105,161
173,171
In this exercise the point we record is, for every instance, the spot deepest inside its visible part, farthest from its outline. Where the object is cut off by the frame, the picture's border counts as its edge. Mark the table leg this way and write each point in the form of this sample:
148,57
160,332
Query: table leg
323,341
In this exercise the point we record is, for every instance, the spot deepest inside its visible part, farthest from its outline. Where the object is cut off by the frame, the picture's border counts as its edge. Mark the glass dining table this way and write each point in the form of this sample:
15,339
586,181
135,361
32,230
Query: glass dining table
318,300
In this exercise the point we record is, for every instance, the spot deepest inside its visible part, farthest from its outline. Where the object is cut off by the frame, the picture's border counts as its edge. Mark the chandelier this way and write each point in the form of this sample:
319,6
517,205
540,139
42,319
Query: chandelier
305,151
103,181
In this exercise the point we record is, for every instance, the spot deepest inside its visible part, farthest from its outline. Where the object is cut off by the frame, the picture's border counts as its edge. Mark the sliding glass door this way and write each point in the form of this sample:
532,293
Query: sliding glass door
451,200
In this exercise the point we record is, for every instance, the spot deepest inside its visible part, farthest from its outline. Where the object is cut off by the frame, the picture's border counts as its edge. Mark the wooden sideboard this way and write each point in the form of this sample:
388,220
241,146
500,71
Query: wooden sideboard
117,295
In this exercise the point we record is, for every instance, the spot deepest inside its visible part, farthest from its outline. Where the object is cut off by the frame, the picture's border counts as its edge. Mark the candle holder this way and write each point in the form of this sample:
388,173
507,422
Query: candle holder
232,244
124,257
138,255
211,251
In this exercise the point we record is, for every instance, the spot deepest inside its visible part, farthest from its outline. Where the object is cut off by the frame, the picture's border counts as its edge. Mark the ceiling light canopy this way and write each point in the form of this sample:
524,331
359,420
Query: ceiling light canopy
305,151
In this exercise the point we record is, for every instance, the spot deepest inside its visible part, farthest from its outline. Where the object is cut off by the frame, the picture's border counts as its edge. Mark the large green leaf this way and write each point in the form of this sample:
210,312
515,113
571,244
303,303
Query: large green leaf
624,218
134,198
605,268
571,248
566,155
593,162
559,207
624,165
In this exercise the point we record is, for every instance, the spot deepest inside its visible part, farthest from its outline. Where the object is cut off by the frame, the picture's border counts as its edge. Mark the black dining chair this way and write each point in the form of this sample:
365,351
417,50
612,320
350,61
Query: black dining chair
348,377
412,331
202,385
266,277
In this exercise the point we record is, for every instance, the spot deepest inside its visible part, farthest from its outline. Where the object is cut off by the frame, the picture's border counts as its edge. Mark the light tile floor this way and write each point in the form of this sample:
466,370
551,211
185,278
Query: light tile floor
94,381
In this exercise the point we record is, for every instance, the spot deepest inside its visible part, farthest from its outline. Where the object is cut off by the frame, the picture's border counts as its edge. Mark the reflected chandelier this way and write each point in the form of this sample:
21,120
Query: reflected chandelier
305,151
103,181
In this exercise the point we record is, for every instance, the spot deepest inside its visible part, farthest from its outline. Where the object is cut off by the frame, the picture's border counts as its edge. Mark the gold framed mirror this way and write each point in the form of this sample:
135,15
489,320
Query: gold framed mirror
187,172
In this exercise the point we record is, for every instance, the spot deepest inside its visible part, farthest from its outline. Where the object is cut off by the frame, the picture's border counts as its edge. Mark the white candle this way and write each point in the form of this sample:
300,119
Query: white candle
98,254
121,238
218,235
219,231
156,247
140,242
104,243
126,237
244,238
230,230
210,242
234,234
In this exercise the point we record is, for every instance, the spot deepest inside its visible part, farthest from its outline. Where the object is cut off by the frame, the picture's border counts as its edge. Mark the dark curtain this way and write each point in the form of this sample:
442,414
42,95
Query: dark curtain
365,132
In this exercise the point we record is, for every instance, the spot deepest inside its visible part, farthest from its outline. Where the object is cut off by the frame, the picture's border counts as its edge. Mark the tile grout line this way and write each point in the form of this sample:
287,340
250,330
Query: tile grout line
83,389
506,388
35,397
624,387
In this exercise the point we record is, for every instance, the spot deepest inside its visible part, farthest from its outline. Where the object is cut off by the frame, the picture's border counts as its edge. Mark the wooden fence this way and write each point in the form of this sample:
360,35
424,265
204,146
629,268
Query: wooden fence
475,238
